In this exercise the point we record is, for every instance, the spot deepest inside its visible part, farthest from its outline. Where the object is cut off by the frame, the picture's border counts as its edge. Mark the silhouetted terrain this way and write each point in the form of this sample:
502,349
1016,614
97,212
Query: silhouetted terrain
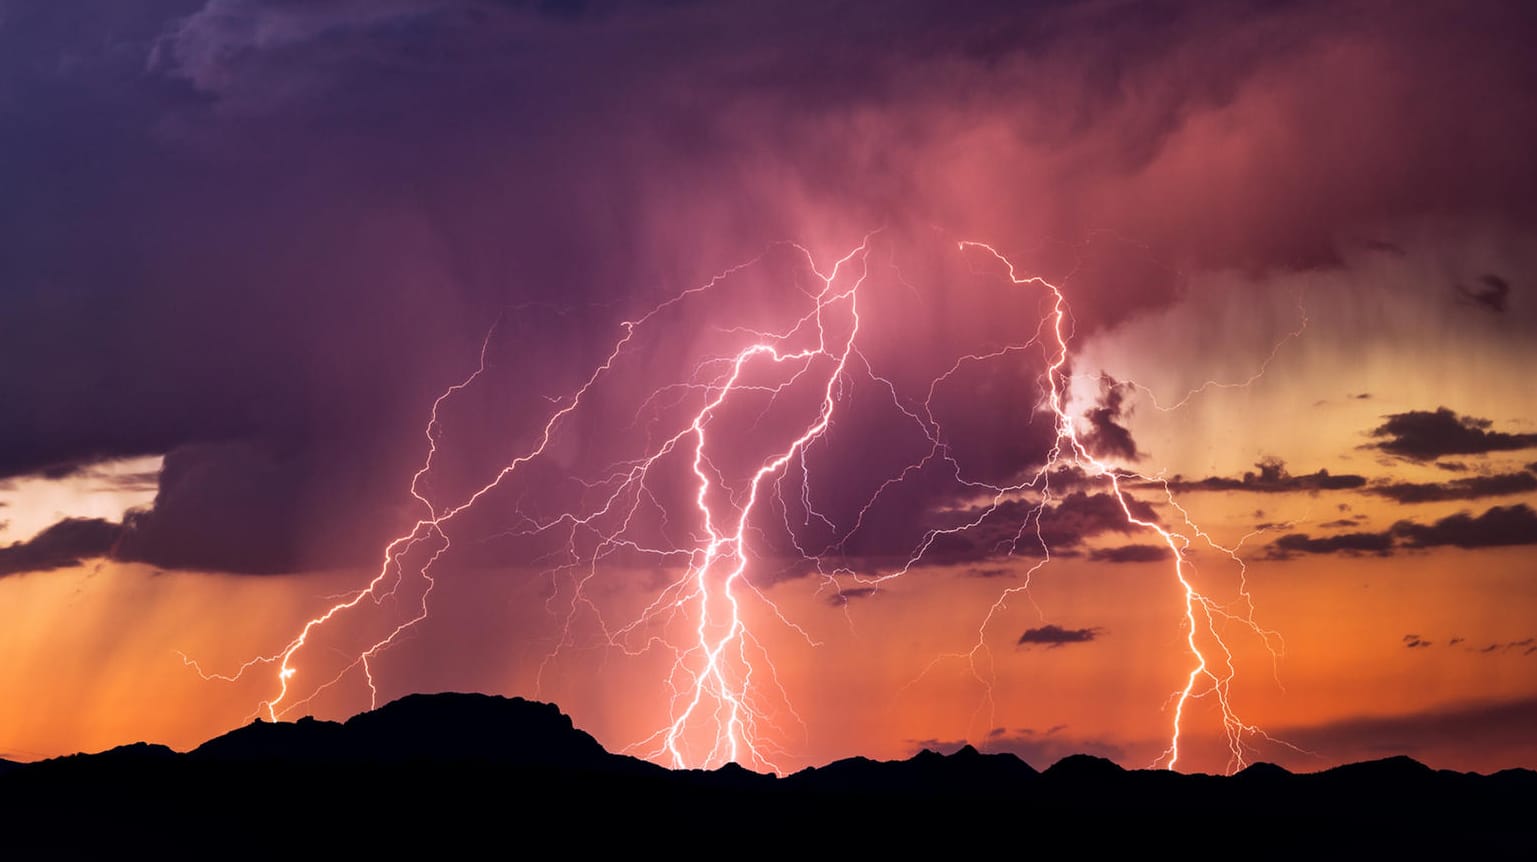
470,771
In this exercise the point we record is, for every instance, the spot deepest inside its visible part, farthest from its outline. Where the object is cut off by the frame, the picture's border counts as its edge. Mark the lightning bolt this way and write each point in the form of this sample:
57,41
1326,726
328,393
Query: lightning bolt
722,683
1208,675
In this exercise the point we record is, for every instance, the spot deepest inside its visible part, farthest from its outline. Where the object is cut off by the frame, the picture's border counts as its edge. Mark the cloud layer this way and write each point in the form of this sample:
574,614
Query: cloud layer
260,237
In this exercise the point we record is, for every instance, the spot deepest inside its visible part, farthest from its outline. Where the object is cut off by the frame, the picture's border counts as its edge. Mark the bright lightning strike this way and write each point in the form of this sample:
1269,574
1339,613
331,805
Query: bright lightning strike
722,686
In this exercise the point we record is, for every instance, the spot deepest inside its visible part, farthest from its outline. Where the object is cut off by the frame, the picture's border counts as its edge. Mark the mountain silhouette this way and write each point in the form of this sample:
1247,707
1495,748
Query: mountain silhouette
455,771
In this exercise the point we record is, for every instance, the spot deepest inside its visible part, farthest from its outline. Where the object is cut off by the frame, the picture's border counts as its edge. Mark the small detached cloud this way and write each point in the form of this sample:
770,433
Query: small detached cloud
1130,554
1423,435
1491,292
1054,636
1343,523
67,543
1525,646
843,597
1415,641
1107,437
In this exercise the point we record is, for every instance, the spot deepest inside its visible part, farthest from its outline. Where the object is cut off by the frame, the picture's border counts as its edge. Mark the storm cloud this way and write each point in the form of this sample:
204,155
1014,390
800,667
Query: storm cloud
282,229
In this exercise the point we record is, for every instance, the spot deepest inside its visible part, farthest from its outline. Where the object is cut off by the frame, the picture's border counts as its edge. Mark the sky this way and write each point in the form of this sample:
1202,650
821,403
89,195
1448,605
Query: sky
776,382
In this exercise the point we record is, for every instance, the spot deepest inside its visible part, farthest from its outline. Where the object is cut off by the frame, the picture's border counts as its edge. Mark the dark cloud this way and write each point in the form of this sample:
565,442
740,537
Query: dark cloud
1498,526
1106,437
990,572
1452,466
1525,646
1415,641
1422,435
844,596
1055,636
1342,523
248,508
1471,488
1349,544
1272,478
1491,292
69,542
1129,554
1385,247
1021,527
1080,516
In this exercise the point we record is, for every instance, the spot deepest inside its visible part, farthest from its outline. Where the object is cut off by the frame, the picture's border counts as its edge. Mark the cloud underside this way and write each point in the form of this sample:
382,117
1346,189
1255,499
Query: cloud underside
1499,526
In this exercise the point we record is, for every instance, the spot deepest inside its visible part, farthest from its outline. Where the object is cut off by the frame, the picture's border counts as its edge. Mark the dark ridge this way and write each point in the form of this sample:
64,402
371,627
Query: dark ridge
1514,774
469,772
445,728
138,752
1084,767
927,773
1263,772
730,778
305,739
1389,769
123,756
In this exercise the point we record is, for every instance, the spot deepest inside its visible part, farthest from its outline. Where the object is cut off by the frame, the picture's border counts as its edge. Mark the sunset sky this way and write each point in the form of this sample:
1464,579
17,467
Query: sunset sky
509,310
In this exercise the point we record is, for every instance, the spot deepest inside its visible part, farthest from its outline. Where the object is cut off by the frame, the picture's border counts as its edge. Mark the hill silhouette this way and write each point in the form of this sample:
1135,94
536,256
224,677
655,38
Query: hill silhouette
459,770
